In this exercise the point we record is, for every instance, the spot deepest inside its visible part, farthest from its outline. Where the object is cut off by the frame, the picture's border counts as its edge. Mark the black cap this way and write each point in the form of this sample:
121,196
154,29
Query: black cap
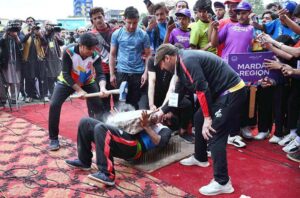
218,4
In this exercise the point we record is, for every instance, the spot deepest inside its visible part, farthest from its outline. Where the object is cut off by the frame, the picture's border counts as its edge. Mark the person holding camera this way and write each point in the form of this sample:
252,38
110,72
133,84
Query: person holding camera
34,58
11,58
53,55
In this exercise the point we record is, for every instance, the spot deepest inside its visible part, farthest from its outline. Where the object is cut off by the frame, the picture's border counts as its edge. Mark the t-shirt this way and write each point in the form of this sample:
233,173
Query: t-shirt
163,79
131,46
78,70
275,28
104,46
222,23
199,35
157,35
180,36
237,39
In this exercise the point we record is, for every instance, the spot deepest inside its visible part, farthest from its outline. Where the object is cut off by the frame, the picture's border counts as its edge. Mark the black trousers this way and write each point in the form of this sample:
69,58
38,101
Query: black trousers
107,101
60,94
222,111
184,114
241,118
293,104
110,142
137,96
280,96
264,100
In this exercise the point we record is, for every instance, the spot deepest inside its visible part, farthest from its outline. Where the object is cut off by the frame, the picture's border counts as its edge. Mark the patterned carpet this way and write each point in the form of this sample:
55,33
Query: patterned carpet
27,169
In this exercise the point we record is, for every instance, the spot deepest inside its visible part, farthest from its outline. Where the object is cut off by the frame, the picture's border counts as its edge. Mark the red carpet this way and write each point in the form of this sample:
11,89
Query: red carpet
260,170
27,169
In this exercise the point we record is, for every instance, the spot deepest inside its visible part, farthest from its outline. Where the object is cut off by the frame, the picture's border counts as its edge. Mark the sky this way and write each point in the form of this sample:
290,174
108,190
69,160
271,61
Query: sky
54,9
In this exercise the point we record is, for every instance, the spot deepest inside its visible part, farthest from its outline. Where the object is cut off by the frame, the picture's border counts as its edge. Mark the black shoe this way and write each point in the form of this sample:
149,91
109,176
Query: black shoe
78,164
188,138
54,145
101,177
294,156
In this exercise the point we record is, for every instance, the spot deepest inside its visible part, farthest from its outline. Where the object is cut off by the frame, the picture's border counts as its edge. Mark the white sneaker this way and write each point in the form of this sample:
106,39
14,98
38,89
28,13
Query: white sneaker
261,135
292,147
246,132
287,139
46,99
192,161
274,139
236,141
214,188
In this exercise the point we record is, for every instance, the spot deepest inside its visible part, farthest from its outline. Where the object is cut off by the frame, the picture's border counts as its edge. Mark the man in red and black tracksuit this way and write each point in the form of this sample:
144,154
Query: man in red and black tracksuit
112,142
220,92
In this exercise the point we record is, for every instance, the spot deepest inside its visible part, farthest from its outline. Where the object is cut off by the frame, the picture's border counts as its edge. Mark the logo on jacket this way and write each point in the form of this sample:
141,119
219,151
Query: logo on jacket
218,114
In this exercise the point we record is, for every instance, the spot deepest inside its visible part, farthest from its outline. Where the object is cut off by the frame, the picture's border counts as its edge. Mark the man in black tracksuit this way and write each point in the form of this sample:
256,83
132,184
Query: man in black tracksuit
113,142
220,92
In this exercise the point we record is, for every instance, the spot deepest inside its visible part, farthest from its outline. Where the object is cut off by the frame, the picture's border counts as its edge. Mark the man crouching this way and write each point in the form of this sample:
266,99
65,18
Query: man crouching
112,142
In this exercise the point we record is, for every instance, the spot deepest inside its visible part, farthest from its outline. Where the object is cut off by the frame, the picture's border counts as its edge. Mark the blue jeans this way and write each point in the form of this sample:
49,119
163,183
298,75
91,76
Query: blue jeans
60,94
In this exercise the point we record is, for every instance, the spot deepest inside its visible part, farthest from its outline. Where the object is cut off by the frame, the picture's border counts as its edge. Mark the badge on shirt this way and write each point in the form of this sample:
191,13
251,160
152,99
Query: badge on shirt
51,44
173,100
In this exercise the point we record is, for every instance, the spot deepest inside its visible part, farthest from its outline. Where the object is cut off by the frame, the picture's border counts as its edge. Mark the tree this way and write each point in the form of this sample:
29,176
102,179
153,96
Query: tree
257,6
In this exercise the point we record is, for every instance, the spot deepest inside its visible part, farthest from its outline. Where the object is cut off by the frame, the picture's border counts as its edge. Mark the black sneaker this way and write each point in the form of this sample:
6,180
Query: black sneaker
101,177
54,145
78,164
294,156
188,138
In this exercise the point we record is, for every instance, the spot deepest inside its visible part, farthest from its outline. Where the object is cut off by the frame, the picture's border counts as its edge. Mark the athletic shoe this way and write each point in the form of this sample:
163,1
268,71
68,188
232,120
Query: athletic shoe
261,135
246,132
236,141
294,156
188,138
54,145
292,147
28,100
192,161
46,99
214,188
78,164
274,139
101,177
287,139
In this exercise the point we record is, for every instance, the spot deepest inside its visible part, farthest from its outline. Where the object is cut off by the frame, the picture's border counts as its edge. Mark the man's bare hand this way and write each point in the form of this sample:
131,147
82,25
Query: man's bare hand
81,94
272,64
287,70
144,120
207,129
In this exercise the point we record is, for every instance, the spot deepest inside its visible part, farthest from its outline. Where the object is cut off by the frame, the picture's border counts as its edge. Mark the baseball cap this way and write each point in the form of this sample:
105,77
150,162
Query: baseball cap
162,50
290,6
232,1
218,4
186,12
243,6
